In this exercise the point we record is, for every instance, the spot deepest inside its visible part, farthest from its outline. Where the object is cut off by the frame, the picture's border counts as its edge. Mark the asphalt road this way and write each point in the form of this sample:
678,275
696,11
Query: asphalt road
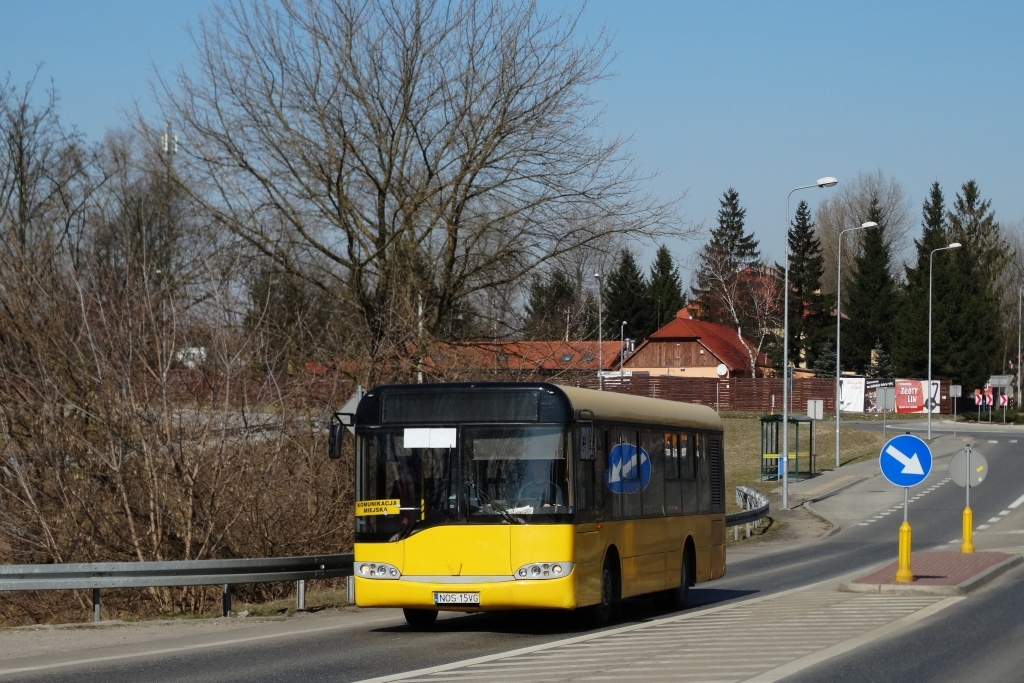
386,647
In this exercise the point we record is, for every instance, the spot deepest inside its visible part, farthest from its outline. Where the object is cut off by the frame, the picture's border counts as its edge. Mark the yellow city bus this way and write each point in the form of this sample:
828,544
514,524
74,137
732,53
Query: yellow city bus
499,496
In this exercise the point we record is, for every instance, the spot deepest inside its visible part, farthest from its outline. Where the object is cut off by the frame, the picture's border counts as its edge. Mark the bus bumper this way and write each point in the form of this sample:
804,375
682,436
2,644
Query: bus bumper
409,592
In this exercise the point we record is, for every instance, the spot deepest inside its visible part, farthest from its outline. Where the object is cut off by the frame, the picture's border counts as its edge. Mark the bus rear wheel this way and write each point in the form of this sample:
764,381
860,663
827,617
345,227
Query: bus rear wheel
676,598
420,619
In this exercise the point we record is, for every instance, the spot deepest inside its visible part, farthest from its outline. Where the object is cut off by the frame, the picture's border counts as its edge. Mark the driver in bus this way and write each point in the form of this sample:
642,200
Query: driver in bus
540,487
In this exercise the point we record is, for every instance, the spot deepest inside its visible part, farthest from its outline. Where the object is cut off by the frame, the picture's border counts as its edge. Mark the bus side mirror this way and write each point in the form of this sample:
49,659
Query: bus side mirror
336,435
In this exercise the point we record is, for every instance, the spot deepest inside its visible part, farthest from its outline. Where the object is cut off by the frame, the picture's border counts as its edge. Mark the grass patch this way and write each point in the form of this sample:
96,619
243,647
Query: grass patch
743,450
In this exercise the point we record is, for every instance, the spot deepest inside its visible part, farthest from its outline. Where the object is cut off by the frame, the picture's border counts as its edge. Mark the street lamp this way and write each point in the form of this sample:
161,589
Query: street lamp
600,333
1020,292
622,351
927,404
784,456
839,318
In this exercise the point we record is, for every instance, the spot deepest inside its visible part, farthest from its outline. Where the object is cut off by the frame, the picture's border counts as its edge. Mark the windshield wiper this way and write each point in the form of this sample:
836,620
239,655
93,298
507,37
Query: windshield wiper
505,514
428,503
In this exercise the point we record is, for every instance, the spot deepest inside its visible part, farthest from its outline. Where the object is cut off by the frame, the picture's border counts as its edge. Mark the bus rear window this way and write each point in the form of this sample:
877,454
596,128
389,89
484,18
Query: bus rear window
464,406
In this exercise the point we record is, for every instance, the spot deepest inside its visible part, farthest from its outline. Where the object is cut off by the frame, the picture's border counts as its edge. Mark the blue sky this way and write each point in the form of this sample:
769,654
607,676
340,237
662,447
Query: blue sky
761,96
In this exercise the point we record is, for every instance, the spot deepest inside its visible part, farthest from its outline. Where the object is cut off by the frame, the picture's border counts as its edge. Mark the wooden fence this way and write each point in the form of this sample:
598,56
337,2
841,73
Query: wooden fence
752,394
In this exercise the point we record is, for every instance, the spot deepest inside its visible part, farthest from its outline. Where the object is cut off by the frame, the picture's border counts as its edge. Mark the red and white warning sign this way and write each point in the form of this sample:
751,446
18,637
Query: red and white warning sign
1004,400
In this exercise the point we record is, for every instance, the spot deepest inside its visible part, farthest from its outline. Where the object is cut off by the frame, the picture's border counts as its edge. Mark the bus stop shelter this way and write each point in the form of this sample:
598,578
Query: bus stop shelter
771,446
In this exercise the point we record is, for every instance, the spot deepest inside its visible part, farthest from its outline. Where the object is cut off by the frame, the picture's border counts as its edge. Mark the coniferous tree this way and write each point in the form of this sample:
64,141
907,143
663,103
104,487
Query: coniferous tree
558,309
625,299
825,362
871,296
665,291
731,233
880,365
910,339
729,251
808,313
972,322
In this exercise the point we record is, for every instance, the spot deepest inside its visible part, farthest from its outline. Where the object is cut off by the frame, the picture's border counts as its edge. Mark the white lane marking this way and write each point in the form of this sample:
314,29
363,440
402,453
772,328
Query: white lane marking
1013,440
955,540
187,648
992,441
982,526
994,520
1004,512
863,524
897,626
1017,503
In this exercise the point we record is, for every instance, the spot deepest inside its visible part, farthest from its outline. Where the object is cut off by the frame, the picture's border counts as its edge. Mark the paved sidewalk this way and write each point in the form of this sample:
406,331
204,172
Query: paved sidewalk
936,572
762,639
831,482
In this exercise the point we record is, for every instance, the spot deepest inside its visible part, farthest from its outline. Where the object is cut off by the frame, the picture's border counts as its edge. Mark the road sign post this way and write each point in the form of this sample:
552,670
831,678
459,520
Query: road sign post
968,468
905,461
955,390
885,401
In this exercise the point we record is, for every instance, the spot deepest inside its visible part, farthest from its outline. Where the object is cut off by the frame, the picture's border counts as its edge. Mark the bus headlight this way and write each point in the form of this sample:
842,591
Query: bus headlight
377,570
543,570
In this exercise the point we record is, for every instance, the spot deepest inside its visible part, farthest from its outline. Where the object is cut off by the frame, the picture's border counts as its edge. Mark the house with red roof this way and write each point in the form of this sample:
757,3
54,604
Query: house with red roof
693,348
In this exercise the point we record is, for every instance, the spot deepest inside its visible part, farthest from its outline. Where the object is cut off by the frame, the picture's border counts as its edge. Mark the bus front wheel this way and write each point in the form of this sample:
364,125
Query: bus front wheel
420,619
599,614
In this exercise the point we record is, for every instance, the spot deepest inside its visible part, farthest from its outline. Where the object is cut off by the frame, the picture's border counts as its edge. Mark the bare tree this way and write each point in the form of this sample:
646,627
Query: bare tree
747,298
848,208
408,154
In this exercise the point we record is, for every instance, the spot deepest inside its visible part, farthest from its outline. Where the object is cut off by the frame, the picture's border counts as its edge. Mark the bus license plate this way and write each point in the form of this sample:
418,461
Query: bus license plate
456,598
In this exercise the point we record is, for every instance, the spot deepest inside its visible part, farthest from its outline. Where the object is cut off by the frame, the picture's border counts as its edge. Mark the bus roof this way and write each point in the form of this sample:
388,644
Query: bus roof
608,405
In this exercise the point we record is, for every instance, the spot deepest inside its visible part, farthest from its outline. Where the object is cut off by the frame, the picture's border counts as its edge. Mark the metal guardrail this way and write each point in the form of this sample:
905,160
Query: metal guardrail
97,575
755,509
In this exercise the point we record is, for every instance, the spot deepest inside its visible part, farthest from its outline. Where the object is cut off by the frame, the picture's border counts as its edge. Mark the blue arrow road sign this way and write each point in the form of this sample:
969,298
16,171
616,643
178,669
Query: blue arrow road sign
905,460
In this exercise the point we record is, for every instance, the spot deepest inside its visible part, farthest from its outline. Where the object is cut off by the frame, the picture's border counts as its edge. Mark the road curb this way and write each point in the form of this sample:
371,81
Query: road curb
836,527
839,489
962,588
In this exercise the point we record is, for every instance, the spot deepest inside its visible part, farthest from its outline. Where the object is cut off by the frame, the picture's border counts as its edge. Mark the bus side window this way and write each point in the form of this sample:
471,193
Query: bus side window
687,447
653,443
588,474
703,474
686,456
673,488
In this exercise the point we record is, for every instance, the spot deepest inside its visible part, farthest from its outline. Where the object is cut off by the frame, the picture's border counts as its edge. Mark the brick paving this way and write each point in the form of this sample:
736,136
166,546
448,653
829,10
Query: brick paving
938,568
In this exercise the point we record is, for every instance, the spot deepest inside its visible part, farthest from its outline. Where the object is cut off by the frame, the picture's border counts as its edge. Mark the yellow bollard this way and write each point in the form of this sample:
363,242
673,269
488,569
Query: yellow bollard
903,573
968,545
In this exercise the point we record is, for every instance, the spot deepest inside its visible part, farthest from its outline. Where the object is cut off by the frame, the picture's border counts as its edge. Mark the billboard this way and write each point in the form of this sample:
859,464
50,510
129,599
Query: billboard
912,396
851,395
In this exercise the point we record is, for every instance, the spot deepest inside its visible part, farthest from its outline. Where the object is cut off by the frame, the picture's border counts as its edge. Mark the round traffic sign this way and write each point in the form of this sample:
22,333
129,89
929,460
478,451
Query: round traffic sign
958,468
905,460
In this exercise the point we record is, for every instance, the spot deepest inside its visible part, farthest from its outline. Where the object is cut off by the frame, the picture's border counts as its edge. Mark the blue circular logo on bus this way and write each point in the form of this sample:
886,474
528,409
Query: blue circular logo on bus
623,465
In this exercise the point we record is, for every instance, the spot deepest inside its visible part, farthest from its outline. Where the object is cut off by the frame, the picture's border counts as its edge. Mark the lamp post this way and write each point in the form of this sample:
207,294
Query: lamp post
600,333
927,404
1020,292
839,318
622,350
784,456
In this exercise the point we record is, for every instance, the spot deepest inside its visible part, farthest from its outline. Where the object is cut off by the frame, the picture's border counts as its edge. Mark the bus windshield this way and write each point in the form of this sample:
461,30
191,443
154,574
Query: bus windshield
421,477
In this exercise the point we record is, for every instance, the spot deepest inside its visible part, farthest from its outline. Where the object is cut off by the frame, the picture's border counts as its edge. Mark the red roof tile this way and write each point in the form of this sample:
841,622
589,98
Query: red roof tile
721,340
